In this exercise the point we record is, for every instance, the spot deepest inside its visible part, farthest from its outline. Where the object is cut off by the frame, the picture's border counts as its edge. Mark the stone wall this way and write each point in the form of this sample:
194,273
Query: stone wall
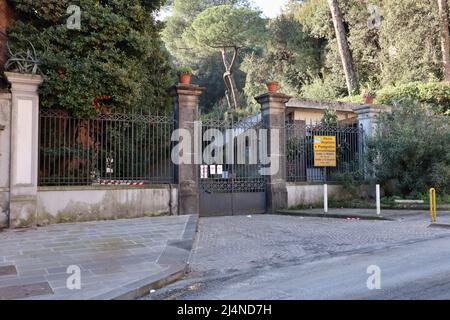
5,116
75,204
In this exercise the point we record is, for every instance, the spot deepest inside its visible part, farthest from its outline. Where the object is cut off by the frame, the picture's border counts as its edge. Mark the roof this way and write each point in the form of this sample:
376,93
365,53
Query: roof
303,103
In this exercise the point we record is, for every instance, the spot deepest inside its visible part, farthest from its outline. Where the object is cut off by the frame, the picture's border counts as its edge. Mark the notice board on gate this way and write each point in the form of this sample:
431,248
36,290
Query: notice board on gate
324,151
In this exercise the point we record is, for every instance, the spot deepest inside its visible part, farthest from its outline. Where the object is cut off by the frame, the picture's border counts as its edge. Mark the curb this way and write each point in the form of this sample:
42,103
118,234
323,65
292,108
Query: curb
174,260
439,225
333,215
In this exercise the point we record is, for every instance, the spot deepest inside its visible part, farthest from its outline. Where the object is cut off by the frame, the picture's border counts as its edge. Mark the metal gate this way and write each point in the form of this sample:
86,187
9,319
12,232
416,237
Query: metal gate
232,184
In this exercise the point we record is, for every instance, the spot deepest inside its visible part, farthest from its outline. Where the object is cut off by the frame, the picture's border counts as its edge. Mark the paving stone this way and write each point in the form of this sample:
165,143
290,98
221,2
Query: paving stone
23,291
111,254
7,270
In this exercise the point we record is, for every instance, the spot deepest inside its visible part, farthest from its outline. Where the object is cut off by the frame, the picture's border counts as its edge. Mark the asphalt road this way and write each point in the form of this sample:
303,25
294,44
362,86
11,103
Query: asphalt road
414,271
272,257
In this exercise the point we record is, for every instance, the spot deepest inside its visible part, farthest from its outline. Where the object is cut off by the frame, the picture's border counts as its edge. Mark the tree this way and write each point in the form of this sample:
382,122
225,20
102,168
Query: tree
6,17
184,52
445,45
291,56
343,46
114,62
227,29
409,42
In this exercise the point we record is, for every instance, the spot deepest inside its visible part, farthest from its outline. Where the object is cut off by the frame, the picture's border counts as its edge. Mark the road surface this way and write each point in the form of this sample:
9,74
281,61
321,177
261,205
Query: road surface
416,268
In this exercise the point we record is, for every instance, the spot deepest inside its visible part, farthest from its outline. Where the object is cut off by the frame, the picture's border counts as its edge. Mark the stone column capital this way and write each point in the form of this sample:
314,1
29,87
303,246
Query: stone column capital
24,82
186,90
370,109
273,97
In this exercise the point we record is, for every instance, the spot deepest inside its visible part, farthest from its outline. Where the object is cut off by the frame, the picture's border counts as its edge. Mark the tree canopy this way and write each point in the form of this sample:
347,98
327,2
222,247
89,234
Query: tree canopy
114,61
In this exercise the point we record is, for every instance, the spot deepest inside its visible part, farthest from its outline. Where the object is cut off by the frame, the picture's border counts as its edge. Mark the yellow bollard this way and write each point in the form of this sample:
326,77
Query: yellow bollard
433,214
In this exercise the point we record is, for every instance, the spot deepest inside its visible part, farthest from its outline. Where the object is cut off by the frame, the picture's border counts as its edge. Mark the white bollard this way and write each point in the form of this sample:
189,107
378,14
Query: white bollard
378,200
325,198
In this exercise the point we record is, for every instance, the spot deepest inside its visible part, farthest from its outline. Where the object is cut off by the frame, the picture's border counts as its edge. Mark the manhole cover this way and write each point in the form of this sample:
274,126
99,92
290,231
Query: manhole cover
7,270
25,291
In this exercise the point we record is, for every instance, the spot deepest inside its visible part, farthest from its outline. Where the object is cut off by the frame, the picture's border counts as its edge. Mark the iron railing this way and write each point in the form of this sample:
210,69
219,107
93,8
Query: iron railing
300,152
239,162
108,149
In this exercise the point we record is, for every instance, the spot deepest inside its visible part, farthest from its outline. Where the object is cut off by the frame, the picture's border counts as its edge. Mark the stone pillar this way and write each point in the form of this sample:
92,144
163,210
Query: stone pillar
185,104
368,121
273,111
368,117
5,120
24,148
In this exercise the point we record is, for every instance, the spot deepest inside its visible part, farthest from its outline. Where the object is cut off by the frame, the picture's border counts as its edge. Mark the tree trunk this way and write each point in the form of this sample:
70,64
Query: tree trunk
229,78
445,46
344,49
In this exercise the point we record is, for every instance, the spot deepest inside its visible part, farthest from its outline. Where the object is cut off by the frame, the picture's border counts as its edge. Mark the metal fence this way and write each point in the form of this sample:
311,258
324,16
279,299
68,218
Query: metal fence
110,149
239,165
300,152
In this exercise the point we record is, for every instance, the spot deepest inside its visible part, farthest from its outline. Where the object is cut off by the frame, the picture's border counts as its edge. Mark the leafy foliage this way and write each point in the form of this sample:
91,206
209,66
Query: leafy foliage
206,64
411,149
404,48
227,26
116,54
184,70
435,94
291,57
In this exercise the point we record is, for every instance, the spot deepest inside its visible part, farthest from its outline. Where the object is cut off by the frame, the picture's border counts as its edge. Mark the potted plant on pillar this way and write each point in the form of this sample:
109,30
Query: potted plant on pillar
369,95
184,75
273,86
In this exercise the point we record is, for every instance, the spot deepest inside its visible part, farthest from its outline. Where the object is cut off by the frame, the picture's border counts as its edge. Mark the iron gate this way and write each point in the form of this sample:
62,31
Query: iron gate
232,184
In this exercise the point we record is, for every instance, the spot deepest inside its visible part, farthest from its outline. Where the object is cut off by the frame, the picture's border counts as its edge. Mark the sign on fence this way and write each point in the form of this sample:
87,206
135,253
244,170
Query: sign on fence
324,151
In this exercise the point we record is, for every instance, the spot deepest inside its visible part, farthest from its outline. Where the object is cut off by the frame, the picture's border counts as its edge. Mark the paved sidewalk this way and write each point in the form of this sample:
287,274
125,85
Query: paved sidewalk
119,259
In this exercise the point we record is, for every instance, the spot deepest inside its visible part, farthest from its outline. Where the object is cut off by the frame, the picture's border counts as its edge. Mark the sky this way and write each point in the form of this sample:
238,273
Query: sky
271,8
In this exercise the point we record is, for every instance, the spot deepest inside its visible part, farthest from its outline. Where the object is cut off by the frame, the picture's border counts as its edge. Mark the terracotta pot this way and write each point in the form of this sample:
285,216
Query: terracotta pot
368,99
273,86
185,78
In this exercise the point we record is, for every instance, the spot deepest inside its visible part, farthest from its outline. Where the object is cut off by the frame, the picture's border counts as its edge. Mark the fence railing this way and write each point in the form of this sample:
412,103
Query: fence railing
300,152
109,149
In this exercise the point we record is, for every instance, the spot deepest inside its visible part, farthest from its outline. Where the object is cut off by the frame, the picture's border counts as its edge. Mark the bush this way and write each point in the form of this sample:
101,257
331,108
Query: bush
184,70
435,94
116,54
321,90
411,150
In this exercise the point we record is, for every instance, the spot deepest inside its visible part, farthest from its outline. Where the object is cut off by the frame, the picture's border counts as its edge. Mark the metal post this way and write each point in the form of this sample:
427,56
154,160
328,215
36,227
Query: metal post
378,200
325,198
433,213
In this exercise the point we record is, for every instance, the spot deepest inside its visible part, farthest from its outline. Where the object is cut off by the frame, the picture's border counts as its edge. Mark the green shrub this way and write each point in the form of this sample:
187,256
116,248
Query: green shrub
117,53
411,150
184,70
352,99
435,94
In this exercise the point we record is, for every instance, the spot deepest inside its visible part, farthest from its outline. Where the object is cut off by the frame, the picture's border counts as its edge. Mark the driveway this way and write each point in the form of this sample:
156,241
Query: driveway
235,257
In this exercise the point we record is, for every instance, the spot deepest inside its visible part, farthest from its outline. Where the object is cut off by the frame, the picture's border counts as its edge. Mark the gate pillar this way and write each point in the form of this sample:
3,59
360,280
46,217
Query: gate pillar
24,144
273,111
185,104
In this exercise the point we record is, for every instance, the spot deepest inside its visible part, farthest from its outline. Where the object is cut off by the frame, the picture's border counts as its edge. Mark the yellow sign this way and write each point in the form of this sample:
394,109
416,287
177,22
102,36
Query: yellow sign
324,151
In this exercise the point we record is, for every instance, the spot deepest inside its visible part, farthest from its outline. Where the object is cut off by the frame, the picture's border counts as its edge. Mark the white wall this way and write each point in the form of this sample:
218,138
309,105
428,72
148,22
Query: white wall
72,204
303,194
